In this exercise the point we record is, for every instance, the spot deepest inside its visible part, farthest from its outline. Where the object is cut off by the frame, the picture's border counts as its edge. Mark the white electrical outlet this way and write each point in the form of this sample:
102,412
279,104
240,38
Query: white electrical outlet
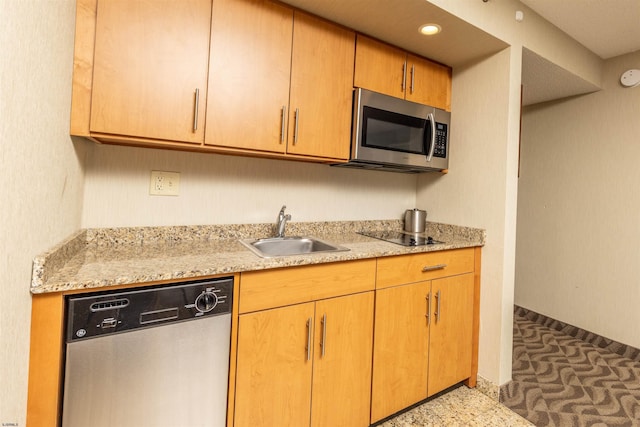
164,183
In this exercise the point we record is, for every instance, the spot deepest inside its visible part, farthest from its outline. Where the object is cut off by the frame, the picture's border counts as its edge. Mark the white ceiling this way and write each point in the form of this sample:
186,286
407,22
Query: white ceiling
542,80
608,28
396,22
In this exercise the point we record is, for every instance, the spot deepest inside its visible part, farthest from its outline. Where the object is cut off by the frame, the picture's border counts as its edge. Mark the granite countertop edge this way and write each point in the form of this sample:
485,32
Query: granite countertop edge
95,259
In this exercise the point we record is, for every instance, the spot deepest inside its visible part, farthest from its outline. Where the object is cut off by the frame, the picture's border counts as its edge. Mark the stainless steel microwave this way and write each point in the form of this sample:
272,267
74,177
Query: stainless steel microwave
397,135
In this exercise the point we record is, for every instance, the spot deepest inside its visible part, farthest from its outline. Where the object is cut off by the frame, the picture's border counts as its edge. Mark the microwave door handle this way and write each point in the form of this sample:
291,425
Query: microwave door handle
433,137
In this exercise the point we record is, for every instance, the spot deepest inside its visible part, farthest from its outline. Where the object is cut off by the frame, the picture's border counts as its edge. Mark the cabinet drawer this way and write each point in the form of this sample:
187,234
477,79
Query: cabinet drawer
265,289
397,270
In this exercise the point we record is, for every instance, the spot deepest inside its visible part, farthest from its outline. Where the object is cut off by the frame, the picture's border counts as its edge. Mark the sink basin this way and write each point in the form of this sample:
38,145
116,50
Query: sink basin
285,246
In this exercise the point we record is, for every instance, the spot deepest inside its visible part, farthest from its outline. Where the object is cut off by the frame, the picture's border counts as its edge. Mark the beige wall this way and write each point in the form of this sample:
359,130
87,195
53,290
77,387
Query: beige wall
216,189
579,212
479,192
41,191
482,187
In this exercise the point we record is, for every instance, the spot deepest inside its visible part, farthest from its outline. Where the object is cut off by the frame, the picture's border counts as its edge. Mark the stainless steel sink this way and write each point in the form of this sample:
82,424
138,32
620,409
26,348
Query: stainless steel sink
286,246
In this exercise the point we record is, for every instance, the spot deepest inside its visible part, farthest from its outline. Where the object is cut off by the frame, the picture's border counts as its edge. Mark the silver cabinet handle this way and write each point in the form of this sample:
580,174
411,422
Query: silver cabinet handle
195,112
284,119
404,76
309,326
428,268
413,74
433,137
437,313
296,118
323,343
428,315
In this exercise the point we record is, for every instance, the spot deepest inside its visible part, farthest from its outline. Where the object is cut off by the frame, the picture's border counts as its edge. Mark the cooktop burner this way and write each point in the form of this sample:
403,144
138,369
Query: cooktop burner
401,238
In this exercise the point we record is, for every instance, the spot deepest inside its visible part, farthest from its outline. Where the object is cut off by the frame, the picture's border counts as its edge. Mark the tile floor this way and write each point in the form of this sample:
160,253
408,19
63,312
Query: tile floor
462,407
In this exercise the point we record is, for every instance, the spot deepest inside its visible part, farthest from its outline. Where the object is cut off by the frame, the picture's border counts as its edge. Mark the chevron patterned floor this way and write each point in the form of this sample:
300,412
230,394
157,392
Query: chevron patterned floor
561,380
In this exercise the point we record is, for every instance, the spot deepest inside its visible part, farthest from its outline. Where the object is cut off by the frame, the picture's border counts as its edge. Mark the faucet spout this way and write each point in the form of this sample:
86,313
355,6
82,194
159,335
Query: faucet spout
282,222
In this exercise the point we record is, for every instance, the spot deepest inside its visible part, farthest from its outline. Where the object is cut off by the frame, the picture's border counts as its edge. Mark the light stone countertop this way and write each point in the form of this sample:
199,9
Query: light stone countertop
99,258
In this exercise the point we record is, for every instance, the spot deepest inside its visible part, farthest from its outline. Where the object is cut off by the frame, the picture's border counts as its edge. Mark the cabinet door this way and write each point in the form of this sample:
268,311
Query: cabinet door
321,88
249,75
379,67
150,58
429,83
273,380
401,346
450,345
342,368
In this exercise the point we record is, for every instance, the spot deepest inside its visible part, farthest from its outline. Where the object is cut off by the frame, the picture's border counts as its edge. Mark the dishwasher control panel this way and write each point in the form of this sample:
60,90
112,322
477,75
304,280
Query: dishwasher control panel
104,313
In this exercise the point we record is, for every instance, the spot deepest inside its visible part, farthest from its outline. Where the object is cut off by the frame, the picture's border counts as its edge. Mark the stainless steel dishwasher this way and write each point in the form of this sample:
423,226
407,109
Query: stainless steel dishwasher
149,357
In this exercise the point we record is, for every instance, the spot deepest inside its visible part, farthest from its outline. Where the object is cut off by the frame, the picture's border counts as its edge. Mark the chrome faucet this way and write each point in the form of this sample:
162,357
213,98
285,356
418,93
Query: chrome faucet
282,222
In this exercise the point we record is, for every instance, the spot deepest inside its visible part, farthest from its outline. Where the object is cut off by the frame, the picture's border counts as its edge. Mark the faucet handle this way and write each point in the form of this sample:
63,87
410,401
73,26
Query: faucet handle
282,222
281,213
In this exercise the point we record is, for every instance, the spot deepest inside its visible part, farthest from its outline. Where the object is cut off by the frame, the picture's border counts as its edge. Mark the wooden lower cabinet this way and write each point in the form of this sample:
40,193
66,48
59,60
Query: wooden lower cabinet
306,364
273,381
317,359
400,357
451,334
422,341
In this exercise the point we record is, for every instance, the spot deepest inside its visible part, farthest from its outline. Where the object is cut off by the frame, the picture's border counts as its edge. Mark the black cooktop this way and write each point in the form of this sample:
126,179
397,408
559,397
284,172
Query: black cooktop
401,238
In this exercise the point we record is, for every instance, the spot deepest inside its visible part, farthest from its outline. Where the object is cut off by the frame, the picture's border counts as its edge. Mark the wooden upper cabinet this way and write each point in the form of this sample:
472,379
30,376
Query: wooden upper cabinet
391,71
279,82
249,75
379,67
428,83
151,57
262,78
321,88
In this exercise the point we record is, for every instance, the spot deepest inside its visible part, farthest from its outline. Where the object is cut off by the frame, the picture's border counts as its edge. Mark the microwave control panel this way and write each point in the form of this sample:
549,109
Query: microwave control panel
440,141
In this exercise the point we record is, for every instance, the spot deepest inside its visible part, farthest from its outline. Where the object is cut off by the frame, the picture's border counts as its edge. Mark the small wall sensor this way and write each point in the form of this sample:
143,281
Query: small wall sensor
630,78
519,15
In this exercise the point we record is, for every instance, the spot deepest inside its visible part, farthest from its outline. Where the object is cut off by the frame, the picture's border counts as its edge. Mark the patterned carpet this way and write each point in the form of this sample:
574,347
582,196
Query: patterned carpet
561,379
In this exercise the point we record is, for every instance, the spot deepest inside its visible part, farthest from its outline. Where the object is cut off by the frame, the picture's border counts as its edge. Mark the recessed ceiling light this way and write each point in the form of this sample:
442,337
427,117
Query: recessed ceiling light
430,29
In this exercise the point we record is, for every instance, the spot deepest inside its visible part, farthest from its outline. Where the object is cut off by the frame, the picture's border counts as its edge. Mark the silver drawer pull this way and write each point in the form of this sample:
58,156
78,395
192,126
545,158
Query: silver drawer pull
433,267
413,76
323,344
308,348
296,118
404,76
284,119
196,107
428,315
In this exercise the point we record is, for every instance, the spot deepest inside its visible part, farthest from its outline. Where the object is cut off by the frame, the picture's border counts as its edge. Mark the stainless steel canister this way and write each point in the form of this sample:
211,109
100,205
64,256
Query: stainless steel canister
415,220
